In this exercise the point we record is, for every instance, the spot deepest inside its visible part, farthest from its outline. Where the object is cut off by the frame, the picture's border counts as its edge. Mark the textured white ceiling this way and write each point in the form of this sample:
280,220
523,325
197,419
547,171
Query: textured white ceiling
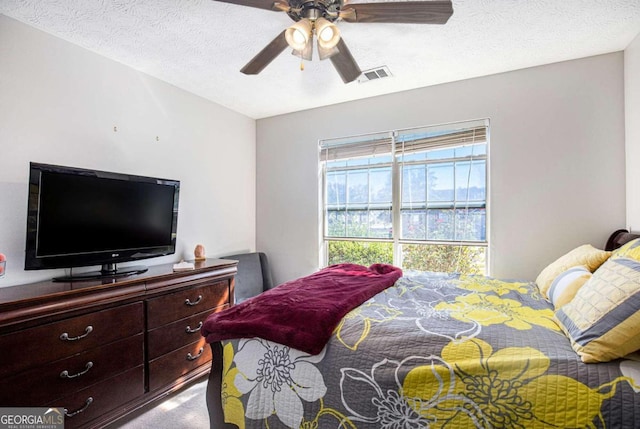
200,45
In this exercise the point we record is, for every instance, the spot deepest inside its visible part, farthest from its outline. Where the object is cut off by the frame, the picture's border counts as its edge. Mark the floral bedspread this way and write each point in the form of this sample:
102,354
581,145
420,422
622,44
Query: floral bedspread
433,351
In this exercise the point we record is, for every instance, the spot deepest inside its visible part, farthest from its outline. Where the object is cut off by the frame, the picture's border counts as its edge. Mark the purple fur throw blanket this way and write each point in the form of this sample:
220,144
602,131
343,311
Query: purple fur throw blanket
302,313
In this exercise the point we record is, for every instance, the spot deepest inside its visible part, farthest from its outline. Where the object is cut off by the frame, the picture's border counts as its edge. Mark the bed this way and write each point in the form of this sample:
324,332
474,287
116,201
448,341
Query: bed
432,350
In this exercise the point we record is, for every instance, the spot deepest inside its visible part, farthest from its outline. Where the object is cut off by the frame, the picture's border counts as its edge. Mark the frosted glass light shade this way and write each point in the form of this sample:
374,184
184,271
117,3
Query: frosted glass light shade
327,32
299,34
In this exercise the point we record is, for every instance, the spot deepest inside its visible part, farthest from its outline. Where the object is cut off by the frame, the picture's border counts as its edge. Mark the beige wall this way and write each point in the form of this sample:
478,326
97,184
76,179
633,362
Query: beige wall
59,104
632,126
556,168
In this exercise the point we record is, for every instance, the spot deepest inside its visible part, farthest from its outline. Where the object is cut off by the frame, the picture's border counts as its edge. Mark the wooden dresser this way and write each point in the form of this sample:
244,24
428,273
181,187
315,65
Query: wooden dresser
102,349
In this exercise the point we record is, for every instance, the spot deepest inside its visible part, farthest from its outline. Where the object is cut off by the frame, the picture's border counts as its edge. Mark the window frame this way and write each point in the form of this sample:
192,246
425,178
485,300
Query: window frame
396,188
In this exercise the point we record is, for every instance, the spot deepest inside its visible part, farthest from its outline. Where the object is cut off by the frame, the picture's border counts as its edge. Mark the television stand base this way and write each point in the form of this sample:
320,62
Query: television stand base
107,272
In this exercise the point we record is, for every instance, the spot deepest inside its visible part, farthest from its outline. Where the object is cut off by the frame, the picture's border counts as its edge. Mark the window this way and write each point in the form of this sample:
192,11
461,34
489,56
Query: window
416,198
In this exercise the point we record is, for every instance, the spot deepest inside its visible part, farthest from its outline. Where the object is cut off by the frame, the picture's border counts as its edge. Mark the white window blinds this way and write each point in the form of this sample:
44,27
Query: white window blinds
430,138
357,147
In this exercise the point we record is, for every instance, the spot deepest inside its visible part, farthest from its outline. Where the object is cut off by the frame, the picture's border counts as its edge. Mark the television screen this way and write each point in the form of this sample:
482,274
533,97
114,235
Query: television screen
79,217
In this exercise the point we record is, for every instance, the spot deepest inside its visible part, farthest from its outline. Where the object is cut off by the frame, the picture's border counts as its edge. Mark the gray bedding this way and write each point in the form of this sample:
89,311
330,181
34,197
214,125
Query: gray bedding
432,351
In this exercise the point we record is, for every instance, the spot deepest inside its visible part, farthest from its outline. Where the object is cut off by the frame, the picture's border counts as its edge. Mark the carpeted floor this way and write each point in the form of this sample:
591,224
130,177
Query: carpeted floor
186,409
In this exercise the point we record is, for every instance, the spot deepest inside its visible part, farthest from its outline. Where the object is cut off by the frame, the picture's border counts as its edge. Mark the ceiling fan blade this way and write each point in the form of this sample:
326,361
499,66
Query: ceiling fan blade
344,63
325,53
260,4
265,56
403,12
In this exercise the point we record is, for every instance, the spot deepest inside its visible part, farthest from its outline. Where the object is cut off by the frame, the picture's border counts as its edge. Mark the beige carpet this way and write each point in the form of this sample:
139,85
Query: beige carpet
185,409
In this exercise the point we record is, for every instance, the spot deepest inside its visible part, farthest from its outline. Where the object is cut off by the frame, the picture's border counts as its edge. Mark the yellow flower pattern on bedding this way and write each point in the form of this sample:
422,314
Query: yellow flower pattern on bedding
487,284
491,310
509,389
231,403
435,351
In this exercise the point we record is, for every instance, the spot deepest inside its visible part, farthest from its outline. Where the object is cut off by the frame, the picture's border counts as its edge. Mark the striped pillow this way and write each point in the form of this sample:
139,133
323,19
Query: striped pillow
630,250
603,319
586,255
566,285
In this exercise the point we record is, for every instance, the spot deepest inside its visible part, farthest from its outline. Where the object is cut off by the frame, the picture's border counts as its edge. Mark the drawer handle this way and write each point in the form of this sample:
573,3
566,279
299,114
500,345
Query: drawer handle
86,405
65,373
194,330
191,357
197,301
66,337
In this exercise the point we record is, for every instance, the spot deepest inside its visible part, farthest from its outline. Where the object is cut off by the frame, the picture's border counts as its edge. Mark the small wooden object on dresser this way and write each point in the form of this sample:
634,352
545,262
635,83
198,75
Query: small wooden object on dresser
102,349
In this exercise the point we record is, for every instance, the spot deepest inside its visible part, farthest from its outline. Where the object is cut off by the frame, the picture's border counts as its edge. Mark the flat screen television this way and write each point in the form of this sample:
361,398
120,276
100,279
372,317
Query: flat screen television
80,217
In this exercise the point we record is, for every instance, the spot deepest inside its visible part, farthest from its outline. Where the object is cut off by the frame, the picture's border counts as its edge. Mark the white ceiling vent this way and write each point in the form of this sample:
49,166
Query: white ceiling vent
374,74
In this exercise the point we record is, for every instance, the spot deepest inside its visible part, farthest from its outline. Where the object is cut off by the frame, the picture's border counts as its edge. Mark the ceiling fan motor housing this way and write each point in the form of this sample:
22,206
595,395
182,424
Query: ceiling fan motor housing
300,9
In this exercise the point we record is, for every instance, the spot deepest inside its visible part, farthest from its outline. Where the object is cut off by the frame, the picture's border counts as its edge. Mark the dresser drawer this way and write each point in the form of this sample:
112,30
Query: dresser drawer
90,403
33,347
170,367
42,385
169,337
178,305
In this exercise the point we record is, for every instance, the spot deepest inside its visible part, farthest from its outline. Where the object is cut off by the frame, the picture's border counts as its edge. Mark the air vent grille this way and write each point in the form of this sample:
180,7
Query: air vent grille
374,74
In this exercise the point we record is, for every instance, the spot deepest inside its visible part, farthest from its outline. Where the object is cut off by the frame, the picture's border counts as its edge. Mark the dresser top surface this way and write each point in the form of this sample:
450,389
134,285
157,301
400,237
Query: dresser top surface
45,290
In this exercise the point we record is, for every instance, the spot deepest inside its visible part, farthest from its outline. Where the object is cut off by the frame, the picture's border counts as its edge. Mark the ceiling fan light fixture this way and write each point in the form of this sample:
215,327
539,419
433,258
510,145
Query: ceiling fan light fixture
306,53
325,53
327,32
316,19
299,34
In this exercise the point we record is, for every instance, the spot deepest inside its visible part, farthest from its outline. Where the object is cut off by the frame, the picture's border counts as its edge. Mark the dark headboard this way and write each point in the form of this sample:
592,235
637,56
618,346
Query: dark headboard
619,238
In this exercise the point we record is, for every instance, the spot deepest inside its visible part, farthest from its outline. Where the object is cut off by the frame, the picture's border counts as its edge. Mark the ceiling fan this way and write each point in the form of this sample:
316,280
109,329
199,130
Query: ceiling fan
318,17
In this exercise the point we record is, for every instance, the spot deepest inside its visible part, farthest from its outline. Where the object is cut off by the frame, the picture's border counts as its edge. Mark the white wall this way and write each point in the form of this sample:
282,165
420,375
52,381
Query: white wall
556,168
59,104
632,125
